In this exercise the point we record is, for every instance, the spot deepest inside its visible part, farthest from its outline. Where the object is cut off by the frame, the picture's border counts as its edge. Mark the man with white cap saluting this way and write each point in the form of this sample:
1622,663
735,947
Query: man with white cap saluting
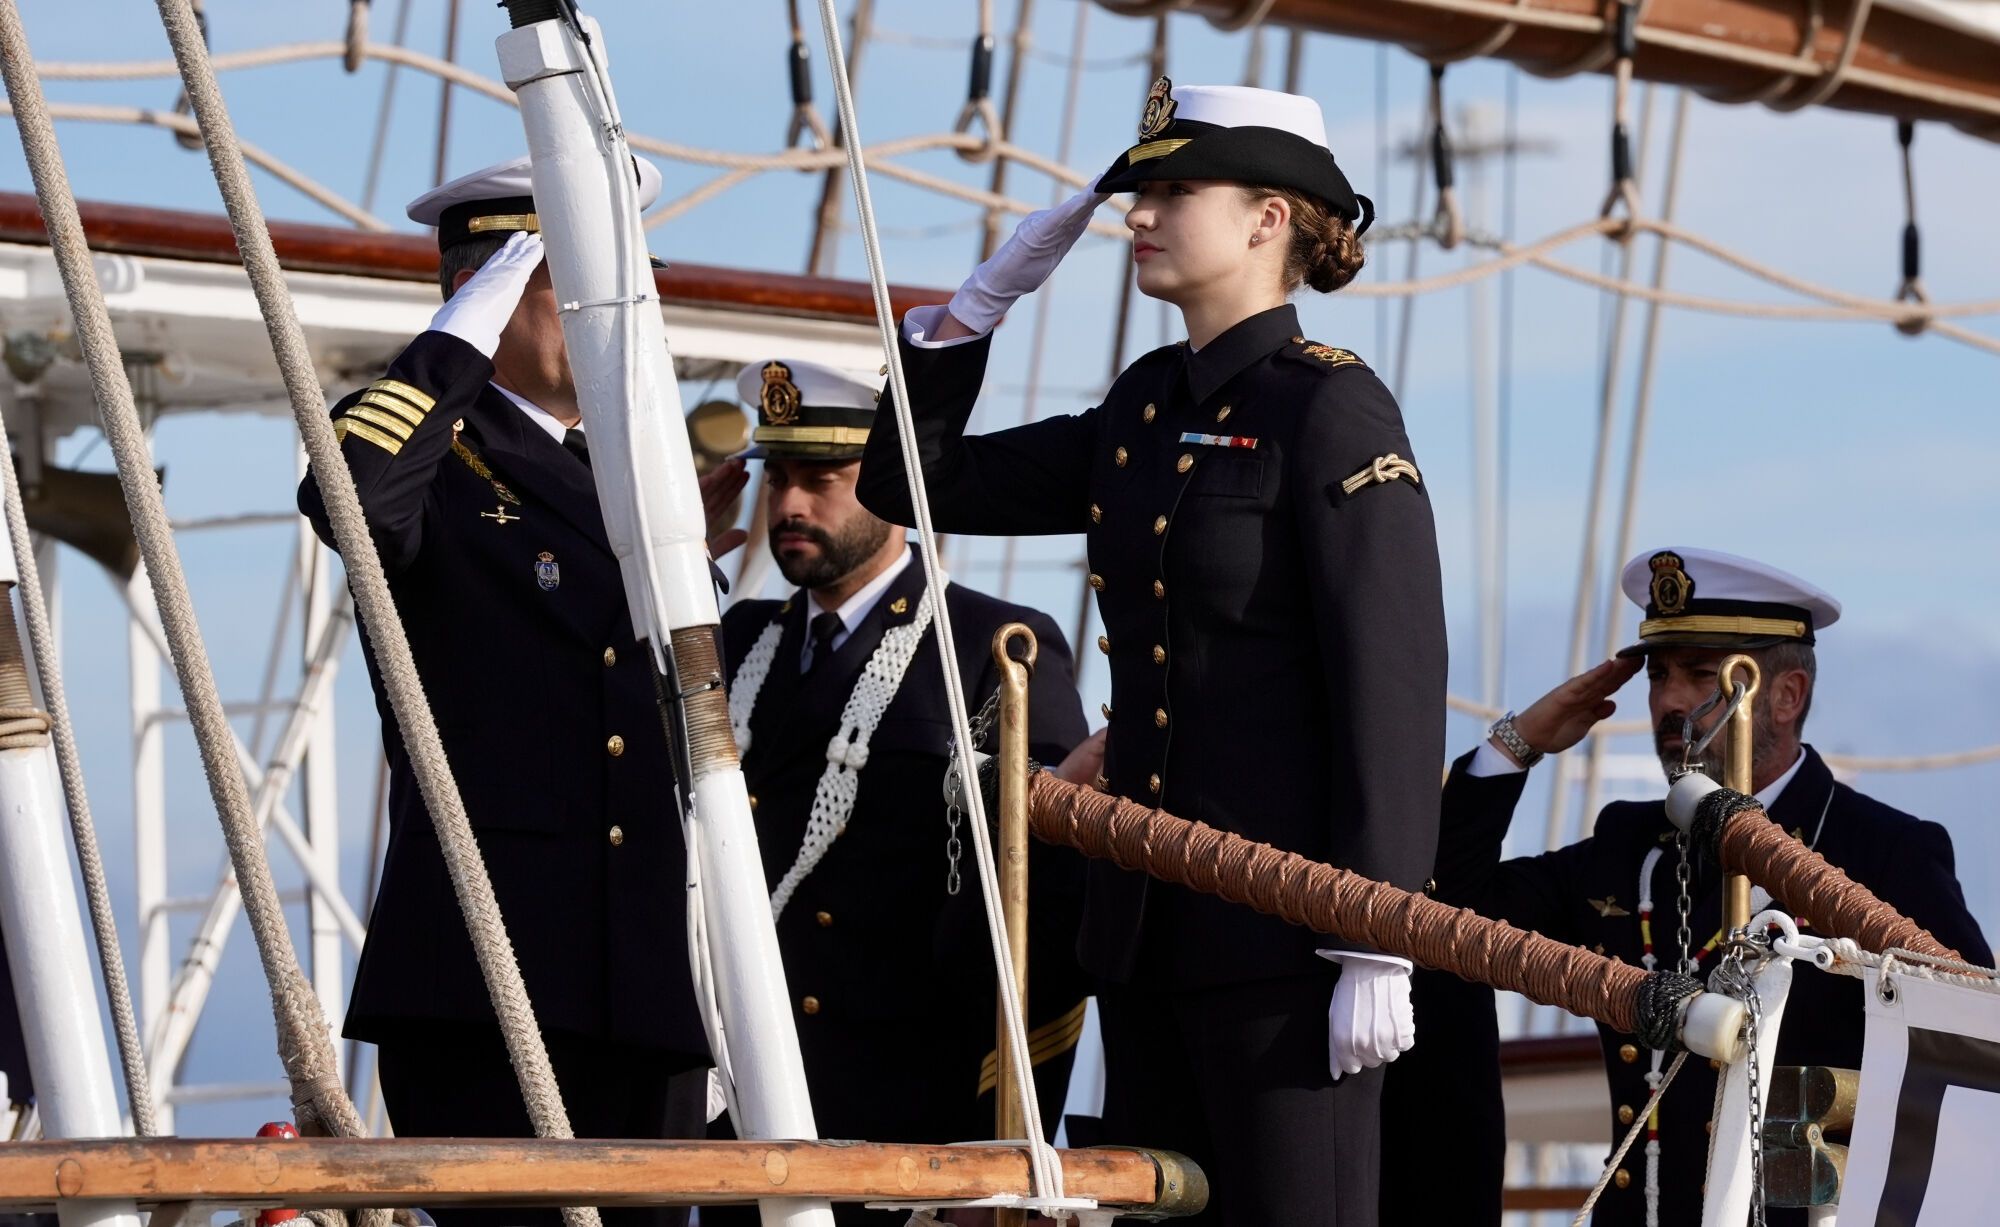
474,475
1615,891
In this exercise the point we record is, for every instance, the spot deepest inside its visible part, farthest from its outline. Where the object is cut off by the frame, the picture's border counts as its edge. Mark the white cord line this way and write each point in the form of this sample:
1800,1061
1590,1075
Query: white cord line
1046,1169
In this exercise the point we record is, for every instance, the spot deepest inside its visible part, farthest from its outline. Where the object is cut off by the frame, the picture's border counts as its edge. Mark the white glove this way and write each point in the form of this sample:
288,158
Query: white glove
1369,1022
1024,261
480,308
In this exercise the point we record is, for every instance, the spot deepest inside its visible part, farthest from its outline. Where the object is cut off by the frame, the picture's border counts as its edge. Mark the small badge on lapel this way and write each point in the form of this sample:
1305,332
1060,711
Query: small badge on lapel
547,573
1607,907
900,606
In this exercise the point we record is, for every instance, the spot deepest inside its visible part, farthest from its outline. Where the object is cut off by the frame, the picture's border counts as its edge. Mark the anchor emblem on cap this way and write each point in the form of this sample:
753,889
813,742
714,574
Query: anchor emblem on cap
780,398
1159,111
1671,588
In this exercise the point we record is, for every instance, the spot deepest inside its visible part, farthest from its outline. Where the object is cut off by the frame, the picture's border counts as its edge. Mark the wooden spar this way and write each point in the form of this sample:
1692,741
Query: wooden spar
350,1173
1729,50
207,238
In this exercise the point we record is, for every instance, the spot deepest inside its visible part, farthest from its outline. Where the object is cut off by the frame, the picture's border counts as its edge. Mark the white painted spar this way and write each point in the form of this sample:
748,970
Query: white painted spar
1726,1200
586,200
52,967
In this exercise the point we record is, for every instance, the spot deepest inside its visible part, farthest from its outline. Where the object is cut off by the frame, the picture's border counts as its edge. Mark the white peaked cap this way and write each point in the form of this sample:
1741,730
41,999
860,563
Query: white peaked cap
504,180
820,386
1241,106
1718,576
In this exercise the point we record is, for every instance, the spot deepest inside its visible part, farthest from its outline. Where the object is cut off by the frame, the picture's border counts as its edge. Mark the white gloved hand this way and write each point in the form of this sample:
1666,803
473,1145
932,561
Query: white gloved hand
478,311
1369,1022
1024,261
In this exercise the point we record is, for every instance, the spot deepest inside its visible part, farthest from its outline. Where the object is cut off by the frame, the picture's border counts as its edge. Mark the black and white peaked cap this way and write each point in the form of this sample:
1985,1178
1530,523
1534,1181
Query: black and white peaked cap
1237,134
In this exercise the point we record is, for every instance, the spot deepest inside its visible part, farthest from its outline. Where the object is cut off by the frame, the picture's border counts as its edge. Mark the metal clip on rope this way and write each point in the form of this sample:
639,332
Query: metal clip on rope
978,105
1624,184
805,116
1912,289
1448,226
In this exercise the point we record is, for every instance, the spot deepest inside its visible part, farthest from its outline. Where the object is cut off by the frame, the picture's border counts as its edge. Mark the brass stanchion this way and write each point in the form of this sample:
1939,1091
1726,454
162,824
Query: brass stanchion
1009,1115
1742,752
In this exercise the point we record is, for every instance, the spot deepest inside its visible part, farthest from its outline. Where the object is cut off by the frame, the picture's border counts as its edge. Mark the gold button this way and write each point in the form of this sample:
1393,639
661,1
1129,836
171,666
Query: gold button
1430,886
616,835
1119,457
825,919
1159,717
1623,1178
753,802
1628,1053
1150,413
1625,1113
810,1005
1159,590
1096,514
1153,783
1714,1064
1106,709
1222,414
614,745
1104,644
1097,581
1295,341
1159,655
1183,464
1159,525
610,657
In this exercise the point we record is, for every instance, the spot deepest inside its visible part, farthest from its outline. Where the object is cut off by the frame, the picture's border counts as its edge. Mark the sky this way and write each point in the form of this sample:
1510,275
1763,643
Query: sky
1844,452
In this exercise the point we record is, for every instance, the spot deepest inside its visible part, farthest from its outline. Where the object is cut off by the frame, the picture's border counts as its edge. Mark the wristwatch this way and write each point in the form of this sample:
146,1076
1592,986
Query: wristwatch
1504,732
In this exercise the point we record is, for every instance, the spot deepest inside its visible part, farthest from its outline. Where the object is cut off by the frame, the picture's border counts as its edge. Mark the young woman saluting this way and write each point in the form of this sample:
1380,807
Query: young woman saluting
1266,568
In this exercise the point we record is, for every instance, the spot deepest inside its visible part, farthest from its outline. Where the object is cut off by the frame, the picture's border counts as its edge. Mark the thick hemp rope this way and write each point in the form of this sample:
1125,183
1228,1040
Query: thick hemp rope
513,1010
1340,903
1734,830
303,1046
83,828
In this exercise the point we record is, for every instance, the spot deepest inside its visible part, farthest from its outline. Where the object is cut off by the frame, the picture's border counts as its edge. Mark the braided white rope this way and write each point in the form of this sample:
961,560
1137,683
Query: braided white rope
847,753
750,682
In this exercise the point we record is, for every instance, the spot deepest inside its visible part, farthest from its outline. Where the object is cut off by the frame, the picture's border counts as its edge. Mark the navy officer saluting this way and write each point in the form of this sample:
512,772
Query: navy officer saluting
1616,890
1262,547
837,705
475,481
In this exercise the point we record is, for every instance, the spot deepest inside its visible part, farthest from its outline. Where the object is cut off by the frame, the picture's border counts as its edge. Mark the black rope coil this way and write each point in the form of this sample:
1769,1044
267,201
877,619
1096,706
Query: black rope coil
1711,815
1662,997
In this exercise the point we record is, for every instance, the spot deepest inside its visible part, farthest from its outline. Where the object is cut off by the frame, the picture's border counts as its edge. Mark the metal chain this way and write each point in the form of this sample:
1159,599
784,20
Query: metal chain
954,848
1734,978
1684,877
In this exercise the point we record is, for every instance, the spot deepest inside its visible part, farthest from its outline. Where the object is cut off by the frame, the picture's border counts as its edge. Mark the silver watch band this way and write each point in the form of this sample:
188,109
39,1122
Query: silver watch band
1503,730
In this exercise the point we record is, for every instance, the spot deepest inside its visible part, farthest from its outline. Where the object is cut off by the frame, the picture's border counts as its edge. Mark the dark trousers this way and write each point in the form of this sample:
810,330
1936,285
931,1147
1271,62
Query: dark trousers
457,1082
1236,1079
1443,1096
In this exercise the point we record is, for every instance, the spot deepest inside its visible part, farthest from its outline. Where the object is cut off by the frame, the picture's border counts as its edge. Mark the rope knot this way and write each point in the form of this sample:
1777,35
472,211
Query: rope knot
847,753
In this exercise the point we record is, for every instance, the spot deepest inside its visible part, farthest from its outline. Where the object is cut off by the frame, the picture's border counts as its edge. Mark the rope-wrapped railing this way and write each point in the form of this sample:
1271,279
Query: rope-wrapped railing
1733,830
1345,905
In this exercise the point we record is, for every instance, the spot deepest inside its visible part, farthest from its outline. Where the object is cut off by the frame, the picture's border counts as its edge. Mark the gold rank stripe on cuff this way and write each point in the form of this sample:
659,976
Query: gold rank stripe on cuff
385,414
1382,469
1051,1039
1720,624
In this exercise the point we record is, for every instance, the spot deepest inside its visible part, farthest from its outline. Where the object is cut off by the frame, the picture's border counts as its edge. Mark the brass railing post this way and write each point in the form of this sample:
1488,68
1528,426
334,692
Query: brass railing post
1009,1118
1741,773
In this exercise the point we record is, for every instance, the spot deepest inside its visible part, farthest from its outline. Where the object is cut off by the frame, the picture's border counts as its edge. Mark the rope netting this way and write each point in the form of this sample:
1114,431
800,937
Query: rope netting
1826,303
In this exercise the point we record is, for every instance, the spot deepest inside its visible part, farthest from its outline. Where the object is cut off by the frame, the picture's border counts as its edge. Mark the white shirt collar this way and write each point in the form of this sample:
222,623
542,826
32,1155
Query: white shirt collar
1767,797
853,610
536,414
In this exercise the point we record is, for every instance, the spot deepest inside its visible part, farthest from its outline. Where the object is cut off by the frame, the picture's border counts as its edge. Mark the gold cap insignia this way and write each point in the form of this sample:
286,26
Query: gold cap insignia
780,398
900,606
1671,588
1607,907
1159,110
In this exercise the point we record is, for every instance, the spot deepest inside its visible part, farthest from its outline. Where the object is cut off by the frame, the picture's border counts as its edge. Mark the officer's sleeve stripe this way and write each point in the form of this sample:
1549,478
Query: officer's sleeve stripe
1051,1039
340,426
387,421
362,430
396,387
402,409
